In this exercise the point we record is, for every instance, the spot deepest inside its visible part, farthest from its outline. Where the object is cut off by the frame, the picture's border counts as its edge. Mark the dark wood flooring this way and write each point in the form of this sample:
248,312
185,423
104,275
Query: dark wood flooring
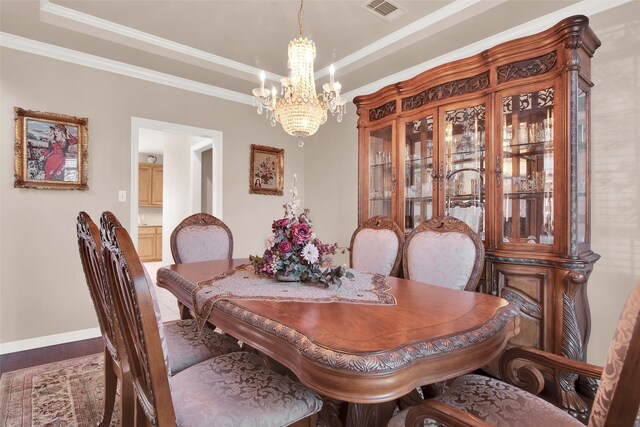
54,353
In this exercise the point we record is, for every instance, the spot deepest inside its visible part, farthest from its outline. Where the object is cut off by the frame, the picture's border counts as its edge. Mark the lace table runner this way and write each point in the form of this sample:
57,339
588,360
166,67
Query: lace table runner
243,283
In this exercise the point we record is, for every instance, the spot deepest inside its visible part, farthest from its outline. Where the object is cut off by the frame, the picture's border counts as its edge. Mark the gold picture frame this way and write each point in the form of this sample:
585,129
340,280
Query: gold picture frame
266,170
50,150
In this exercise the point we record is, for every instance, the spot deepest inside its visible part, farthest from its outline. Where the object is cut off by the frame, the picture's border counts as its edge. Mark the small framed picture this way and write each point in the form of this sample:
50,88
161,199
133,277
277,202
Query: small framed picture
266,170
50,150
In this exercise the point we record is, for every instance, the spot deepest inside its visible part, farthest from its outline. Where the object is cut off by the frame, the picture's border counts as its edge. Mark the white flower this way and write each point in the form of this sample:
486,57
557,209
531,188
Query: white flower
270,241
310,253
275,263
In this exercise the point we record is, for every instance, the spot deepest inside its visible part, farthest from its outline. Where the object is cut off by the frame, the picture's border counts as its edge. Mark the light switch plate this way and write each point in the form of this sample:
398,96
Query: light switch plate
122,196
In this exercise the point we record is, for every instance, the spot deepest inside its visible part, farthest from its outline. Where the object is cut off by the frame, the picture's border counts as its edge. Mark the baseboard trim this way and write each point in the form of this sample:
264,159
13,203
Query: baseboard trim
48,340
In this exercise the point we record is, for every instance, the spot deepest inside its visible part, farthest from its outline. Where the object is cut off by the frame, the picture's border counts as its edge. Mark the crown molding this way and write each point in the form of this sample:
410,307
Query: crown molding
424,27
35,47
98,27
585,7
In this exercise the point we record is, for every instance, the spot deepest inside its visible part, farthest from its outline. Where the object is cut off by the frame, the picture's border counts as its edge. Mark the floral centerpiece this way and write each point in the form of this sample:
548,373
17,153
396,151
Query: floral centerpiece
294,253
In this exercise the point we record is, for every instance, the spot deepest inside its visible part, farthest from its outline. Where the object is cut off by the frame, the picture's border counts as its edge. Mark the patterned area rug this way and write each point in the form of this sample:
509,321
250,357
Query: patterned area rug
67,393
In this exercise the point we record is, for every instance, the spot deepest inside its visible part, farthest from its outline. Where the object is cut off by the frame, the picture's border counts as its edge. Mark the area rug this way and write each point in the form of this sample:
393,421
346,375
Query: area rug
67,393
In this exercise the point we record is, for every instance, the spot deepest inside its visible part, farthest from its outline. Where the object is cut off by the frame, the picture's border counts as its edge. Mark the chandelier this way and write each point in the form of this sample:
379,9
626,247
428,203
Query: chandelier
299,109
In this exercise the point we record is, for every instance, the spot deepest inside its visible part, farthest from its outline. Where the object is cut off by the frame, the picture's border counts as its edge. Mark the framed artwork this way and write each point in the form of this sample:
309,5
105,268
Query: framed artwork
266,170
50,151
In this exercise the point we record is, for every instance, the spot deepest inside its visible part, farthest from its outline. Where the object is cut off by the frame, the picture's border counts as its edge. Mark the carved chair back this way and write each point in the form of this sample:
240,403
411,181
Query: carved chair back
444,251
201,237
89,245
129,284
617,401
376,246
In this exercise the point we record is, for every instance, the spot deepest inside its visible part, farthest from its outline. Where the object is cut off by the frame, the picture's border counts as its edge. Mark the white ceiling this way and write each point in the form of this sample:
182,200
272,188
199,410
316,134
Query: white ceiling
219,45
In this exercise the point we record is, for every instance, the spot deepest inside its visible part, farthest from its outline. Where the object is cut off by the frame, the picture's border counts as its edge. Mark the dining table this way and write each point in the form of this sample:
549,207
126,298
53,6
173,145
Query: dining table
365,354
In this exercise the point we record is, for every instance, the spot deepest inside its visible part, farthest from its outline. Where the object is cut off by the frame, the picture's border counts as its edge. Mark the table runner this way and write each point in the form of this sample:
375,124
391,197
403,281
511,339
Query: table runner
243,283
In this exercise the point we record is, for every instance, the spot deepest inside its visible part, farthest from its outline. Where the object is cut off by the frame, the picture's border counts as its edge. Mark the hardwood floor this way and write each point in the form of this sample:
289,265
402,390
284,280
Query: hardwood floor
55,353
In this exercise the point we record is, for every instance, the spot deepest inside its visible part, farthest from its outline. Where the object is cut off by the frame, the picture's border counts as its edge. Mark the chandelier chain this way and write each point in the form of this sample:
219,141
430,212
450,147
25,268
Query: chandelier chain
300,18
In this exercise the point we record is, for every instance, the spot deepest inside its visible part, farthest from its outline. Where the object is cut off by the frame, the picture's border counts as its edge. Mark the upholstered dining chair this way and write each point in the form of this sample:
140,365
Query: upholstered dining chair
376,246
185,346
232,389
201,237
474,400
444,251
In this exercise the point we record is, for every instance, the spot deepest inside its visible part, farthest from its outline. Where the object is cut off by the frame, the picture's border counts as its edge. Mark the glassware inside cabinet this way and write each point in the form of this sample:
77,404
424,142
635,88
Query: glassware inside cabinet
464,142
582,165
380,172
527,167
418,167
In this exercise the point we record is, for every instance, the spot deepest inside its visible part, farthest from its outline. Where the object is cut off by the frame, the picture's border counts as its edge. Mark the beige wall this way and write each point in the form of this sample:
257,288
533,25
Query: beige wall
42,289
331,169
615,194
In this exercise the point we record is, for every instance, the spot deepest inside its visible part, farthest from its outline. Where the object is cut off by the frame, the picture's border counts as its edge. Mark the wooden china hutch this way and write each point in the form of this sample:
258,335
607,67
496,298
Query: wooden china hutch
501,141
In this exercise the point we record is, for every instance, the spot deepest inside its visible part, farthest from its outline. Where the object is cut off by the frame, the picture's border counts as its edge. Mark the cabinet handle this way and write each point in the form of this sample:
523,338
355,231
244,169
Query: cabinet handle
498,170
434,175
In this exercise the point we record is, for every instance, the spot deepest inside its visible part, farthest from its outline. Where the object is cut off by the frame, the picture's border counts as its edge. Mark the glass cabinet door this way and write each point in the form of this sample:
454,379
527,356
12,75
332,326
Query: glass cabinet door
464,165
380,171
418,167
527,167
582,167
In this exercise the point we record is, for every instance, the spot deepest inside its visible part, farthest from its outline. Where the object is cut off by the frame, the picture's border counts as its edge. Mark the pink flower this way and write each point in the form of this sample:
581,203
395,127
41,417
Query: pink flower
266,269
300,233
282,223
324,248
284,246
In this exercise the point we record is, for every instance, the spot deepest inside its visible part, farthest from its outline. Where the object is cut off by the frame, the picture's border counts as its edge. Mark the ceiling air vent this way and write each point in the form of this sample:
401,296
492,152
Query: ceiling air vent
384,9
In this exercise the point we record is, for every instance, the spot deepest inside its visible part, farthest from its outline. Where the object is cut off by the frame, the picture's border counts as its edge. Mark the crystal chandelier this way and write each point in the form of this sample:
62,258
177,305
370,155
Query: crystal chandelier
299,108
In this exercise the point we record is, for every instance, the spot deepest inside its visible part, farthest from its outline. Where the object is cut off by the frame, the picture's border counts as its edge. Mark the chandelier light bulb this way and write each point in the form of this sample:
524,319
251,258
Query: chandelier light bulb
299,109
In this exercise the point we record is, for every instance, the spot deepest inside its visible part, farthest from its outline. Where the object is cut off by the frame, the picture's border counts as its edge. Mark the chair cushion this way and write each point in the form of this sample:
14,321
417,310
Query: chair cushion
444,259
235,390
187,347
375,251
202,243
498,403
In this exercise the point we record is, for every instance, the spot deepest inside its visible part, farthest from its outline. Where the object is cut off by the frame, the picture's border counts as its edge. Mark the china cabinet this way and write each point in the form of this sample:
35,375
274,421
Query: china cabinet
501,141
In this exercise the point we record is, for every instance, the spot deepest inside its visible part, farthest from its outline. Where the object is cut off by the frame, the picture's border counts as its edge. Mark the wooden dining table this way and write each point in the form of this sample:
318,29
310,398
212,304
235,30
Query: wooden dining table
367,355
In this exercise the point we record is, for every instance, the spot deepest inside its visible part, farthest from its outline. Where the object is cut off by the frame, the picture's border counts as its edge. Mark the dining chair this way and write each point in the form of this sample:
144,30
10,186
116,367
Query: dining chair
201,237
231,389
444,251
474,400
376,246
185,346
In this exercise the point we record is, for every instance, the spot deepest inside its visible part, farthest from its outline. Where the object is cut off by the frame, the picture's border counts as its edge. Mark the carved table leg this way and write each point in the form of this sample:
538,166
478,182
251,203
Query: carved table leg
411,399
366,415
330,414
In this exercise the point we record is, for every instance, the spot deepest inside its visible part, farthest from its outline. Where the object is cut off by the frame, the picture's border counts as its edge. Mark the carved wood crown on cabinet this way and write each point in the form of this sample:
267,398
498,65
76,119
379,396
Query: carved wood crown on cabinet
500,140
